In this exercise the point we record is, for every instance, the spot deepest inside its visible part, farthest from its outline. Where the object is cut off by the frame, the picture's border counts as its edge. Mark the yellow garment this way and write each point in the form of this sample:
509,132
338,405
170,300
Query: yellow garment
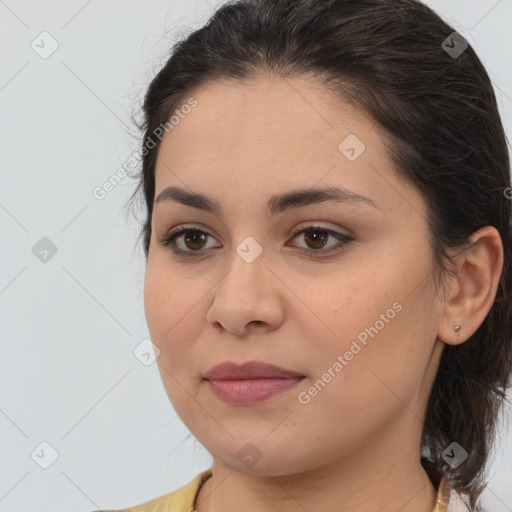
183,498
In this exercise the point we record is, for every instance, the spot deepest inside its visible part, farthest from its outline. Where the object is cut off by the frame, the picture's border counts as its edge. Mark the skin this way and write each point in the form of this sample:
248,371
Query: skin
356,444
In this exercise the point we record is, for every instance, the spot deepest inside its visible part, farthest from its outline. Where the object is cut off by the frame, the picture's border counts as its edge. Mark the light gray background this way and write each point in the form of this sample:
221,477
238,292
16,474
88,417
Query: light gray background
69,326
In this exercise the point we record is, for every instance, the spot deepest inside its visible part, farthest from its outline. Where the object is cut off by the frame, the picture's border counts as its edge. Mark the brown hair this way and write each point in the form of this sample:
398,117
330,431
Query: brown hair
444,135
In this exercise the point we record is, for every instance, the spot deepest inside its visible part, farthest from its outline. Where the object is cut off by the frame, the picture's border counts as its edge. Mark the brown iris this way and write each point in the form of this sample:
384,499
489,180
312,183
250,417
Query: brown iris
316,238
192,237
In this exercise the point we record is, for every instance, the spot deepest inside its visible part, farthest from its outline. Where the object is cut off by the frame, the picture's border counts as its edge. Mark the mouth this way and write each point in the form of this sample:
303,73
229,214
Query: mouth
251,391
251,382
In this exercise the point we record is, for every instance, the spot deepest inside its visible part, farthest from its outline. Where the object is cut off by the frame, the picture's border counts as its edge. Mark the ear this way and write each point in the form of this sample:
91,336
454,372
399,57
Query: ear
469,295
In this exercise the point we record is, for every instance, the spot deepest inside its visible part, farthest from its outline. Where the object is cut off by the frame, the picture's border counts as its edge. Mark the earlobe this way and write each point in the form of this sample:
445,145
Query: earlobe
473,288
453,334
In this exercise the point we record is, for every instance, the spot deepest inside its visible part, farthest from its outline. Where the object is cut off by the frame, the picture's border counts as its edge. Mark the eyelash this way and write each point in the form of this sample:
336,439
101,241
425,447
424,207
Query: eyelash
170,237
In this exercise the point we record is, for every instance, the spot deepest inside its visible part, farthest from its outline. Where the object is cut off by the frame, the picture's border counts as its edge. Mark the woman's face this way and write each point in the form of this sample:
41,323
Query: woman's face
359,323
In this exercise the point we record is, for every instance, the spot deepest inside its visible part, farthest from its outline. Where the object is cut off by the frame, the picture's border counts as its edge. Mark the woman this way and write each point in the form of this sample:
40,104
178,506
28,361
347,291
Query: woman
328,245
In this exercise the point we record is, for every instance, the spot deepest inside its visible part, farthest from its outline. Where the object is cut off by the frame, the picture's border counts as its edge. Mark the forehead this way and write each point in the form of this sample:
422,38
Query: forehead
265,134
265,110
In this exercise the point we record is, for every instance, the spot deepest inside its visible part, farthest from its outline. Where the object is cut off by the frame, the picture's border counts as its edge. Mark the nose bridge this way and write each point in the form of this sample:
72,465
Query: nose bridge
248,266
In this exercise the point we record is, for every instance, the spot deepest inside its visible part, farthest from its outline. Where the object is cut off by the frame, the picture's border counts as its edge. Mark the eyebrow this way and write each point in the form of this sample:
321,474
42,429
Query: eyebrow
278,203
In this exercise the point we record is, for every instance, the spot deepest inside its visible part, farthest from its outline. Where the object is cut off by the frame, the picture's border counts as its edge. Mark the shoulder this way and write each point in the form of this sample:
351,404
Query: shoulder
180,500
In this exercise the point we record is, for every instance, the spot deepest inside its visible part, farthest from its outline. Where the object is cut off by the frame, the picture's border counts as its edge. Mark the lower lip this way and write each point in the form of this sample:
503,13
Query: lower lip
251,391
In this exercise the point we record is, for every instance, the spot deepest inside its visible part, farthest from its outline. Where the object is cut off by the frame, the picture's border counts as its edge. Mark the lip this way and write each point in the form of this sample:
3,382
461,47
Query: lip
251,391
229,370
250,383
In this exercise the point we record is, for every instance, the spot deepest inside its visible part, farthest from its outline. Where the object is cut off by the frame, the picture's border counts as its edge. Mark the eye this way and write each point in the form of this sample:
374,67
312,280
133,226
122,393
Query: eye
193,240
316,236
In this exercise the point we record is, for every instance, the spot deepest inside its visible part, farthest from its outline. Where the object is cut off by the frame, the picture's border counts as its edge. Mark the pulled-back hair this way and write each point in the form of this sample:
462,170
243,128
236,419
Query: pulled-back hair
391,59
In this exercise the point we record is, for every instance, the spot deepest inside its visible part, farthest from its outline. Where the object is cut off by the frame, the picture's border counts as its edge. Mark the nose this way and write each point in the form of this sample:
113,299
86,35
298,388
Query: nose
249,296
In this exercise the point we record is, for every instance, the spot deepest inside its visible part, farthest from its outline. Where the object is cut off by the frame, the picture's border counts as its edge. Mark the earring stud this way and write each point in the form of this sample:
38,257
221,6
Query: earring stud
457,328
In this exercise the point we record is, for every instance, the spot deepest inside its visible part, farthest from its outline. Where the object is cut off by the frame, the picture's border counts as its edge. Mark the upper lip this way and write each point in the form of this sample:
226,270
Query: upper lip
249,370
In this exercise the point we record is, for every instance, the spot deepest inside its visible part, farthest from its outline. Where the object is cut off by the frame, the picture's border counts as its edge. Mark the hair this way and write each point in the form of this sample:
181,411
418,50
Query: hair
443,134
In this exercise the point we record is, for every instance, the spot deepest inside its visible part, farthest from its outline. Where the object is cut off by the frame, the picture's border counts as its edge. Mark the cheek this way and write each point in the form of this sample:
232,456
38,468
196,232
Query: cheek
156,302
380,378
379,330
167,299
166,306
175,317
337,309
